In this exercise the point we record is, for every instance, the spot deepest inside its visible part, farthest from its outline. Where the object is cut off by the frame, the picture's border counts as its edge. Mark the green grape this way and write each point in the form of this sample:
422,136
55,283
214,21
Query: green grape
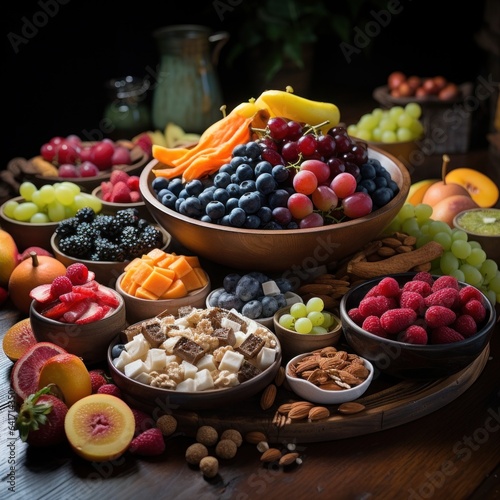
422,239
492,297
352,130
457,273
55,211
411,227
315,304
388,125
9,208
377,113
414,110
91,201
377,134
424,228
287,321
39,218
298,310
406,211
475,244
423,212
489,269
472,275
494,283
404,134
448,263
328,320
459,235
367,122
37,198
404,120
47,193
303,325
318,330
24,211
389,136
74,188
444,239
437,226
476,257
364,135
461,249
26,189
396,111
417,129
316,318
393,227
64,195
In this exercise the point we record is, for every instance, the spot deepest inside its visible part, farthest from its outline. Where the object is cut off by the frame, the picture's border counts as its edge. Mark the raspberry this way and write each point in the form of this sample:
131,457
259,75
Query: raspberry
372,292
60,286
414,334
98,379
445,335
372,325
447,297
375,306
112,389
143,421
475,309
135,196
465,324
397,320
356,316
120,193
424,276
118,175
413,300
421,287
148,443
133,183
388,287
437,316
106,189
78,273
445,282
469,292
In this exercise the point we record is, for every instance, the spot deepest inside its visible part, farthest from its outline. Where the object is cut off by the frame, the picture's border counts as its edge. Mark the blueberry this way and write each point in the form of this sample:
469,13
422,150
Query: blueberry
278,198
194,187
213,301
236,161
260,277
229,301
117,350
252,150
269,306
230,281
265,214
265,183
382,196
250,202
192,207
234,190
263,167
252,222
221,194
284,285
239,150
206,197
247,186
280,173
244,172
281,300
231,203
248,288
168,199
227,168
215,209
160,183
252,309
237,217
222,179
175,185
368,171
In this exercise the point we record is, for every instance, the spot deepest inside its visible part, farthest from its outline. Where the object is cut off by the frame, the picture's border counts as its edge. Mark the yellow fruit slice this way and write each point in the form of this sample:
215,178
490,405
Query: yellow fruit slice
481,188
99,427
18,339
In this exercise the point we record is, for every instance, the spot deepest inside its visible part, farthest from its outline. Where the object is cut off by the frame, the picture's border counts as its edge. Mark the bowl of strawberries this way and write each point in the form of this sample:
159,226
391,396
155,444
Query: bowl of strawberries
77,313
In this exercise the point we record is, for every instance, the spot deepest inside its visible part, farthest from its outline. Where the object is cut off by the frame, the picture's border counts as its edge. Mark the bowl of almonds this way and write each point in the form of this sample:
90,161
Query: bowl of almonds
329,375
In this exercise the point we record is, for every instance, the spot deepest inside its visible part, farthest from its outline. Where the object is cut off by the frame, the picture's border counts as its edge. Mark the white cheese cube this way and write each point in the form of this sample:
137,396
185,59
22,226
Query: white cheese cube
206,363
240,337
169,344
203,380
266,357
187,385
135,368
138,347
156,360
171,358
270,288
144,378
189,369
231,361
123,359
229,323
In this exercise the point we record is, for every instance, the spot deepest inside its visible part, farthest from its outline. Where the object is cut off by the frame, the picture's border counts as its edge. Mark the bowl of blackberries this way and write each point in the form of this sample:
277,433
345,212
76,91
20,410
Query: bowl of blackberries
106,243
280,205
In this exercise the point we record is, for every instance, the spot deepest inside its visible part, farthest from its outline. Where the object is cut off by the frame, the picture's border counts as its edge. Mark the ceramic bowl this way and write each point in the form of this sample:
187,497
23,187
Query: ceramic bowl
89,341
293,343
109,208
490,243
290,297
138,309
311,392
27,234
153,399
402,150
411,361
106,272
277,250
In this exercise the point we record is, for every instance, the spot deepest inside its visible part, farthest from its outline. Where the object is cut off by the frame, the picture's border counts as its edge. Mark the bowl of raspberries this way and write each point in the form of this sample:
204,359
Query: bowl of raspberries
417,325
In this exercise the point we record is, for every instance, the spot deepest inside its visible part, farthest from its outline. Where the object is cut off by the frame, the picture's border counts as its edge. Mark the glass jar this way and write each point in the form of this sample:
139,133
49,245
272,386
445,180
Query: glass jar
127,113
187,90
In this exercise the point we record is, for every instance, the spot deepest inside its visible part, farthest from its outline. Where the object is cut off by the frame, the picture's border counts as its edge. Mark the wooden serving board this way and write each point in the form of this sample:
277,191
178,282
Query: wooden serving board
388,403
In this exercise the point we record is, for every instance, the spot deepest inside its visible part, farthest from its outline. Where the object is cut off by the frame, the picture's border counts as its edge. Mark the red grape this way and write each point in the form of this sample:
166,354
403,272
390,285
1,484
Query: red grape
272,156
48,151
294,130
101,154
121,156
343,185
299,205
357,205
336,166
67,170
66,153
311,220
307,144
85,153
324,198
319,168
87,169
277,127
290,152
325,145
305,182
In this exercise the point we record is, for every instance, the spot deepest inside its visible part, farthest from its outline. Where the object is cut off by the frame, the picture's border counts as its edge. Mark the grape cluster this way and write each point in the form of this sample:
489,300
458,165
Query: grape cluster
290,177
462,258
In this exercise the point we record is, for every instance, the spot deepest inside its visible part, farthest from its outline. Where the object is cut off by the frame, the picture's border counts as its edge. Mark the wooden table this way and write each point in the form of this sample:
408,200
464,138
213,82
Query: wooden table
452,453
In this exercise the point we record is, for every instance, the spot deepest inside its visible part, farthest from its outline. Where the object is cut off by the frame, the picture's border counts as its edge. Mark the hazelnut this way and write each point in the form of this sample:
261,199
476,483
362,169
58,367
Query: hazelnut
233,435
207,435
226,448
195,453
209,466
167,424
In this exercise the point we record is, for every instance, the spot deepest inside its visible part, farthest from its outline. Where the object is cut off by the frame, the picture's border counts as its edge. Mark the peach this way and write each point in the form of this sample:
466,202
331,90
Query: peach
99,427
481,188
450,206
441,190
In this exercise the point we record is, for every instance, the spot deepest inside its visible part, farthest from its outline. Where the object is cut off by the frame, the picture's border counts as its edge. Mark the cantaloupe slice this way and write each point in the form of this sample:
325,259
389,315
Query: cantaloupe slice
157,283
142,271
142,293
176,291
193,260
191,281
181,266
156,255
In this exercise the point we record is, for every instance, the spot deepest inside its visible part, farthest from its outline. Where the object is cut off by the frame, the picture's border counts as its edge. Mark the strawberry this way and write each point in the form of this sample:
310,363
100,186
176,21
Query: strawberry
41,419
397,320
148,443
106,296
94,313
75,311
78,273
98,379
121,193
143,421
57,311
73,297
42,294
110,388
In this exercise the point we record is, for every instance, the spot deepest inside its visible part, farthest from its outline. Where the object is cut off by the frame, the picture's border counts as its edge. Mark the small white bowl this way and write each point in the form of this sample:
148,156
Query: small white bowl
290,297
313,393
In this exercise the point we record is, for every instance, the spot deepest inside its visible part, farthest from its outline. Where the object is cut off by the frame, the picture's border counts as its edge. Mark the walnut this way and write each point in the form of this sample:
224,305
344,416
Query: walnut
162,380
225,378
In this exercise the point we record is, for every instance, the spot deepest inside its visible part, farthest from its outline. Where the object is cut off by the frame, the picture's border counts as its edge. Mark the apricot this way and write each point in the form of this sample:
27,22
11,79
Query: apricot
99,427
481,188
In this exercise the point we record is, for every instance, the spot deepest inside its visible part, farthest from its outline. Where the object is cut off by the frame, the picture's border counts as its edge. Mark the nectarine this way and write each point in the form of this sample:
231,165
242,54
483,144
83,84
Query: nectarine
441,190
450,206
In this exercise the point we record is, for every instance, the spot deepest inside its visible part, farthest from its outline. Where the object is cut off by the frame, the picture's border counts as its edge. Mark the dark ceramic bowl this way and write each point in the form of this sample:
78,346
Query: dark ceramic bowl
410,361
277,250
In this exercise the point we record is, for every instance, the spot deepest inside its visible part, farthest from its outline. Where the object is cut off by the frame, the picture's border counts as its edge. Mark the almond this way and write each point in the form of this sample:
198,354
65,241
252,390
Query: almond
268,397
288,458
350,408
280,376
318,413
271,455
255,437
300,410
285,408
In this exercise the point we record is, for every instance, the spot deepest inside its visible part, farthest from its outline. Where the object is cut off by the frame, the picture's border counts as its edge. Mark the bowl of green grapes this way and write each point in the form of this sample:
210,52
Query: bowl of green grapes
305,327
32,217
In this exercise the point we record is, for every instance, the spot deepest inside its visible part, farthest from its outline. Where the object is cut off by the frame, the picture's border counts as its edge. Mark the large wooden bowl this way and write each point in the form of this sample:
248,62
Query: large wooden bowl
277,250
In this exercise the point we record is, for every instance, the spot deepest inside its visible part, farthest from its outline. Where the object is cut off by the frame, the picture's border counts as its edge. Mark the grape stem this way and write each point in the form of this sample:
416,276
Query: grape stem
444,167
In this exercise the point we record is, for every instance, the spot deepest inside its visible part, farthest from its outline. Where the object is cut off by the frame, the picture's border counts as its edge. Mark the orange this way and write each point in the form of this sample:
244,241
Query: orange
18,339
68,375
31,272
9,256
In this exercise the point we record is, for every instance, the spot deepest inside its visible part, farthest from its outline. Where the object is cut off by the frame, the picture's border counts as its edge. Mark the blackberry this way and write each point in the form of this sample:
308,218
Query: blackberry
85,214
106,250
102,223
67,227
75,246
87,230
126,217
143,223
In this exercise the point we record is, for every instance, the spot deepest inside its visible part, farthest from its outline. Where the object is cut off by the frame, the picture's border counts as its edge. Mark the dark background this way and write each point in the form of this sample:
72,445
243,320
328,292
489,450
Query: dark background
54,84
